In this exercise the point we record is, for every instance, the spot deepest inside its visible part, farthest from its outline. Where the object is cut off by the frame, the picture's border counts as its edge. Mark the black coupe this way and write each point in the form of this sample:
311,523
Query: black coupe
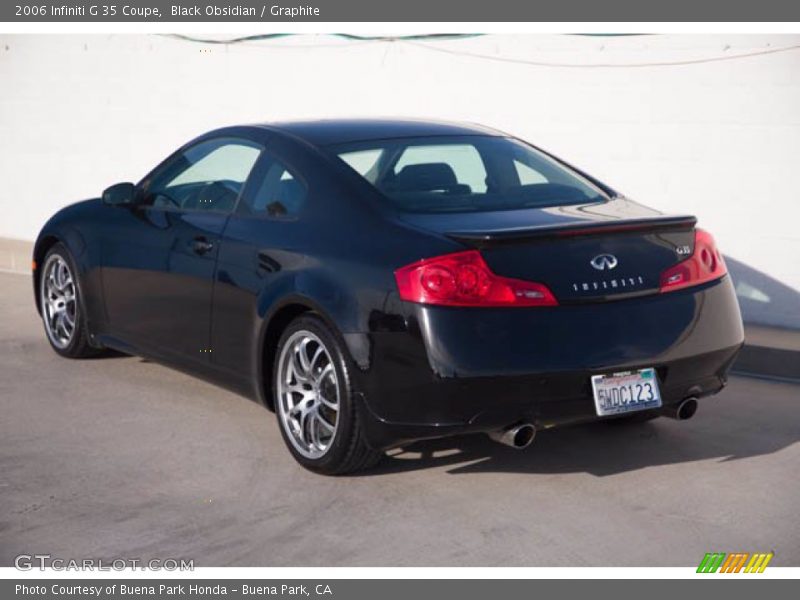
376,282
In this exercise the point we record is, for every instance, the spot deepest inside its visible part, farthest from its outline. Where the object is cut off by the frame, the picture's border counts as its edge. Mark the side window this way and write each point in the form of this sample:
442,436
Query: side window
207,176
279,194
364,162
527,175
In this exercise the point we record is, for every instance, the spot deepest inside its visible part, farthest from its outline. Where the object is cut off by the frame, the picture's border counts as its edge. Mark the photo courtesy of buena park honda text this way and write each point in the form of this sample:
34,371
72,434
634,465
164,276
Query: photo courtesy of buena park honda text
360,299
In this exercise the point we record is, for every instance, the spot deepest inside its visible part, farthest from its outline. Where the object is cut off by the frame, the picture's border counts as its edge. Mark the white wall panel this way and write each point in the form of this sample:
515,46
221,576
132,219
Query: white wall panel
717,139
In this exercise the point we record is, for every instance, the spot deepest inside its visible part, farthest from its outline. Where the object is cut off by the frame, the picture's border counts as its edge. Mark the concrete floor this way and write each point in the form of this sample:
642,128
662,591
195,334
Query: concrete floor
119,457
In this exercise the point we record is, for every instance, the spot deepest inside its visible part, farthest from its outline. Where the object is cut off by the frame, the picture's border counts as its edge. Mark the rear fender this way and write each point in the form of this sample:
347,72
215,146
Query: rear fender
299,294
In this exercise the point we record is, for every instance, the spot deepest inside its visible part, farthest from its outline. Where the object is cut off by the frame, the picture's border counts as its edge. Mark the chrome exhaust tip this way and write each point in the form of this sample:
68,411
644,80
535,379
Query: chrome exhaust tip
517,436
683,411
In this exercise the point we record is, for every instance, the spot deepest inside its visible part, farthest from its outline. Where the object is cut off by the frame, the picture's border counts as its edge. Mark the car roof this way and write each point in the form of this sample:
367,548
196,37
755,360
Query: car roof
338,131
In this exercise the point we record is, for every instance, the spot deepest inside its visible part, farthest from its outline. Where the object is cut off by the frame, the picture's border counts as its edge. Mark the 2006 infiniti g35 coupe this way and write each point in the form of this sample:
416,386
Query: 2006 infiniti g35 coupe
377,282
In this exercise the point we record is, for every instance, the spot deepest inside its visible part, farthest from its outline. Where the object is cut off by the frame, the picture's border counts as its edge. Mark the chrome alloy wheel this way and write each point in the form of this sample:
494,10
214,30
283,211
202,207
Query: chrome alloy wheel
59,301
308,394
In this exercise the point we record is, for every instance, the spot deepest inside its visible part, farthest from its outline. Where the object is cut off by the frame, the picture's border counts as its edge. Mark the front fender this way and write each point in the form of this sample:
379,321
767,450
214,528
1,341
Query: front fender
58,231
72,226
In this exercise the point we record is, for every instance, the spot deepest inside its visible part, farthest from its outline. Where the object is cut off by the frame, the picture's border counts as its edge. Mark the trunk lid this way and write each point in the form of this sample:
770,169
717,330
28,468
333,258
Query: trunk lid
585,253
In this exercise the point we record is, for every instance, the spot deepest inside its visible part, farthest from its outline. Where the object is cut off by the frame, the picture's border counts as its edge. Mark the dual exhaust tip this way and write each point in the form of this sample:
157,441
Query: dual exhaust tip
518,436
683,411
521,436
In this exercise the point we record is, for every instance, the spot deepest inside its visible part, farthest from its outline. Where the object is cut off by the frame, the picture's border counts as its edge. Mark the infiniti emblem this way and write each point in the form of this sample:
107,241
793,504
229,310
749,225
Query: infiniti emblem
604,262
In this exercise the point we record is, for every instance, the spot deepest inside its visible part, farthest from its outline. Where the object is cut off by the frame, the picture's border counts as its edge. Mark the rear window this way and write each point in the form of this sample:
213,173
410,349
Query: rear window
465,173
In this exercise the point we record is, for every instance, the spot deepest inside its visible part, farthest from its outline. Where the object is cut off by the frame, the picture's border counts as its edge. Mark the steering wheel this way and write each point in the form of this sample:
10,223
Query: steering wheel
214,192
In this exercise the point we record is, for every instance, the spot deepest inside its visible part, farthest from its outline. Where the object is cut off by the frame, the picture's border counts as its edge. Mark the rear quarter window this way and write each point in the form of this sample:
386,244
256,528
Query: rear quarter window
279,193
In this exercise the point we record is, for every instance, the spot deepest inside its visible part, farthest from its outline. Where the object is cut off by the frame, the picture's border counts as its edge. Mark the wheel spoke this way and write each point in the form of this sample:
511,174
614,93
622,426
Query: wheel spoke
325,402
330,427
297,369
302,353
324,373
319,352
295,388
302,420
59,328
313,430
297,407
61,276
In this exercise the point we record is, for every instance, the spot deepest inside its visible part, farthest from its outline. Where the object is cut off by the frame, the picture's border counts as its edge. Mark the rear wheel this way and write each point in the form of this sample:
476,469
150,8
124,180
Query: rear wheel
315,400
62,305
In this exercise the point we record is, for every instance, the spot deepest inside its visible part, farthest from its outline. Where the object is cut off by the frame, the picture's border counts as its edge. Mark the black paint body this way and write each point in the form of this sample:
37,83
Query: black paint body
423,371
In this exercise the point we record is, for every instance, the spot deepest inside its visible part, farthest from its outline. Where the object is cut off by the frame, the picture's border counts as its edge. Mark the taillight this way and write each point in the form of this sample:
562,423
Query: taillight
704,265
464,279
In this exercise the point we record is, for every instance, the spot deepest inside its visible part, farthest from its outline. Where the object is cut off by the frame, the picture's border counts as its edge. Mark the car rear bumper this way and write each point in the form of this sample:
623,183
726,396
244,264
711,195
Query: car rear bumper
453,370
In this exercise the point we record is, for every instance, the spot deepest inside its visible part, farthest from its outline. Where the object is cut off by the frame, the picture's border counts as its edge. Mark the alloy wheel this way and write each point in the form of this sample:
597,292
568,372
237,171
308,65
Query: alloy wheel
308,394
59,301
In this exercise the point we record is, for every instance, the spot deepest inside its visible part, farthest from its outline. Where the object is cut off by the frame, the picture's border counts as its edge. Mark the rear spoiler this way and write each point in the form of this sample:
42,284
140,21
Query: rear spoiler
516,234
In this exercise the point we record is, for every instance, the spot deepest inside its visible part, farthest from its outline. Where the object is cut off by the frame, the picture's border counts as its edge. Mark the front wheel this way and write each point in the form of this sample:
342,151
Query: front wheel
62,307
315,400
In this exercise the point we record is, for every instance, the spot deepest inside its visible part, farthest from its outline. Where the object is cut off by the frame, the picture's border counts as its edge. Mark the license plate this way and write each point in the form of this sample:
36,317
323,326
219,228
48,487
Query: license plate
625,392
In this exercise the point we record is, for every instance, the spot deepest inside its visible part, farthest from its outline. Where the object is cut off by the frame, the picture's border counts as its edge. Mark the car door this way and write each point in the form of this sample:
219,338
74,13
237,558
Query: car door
159,256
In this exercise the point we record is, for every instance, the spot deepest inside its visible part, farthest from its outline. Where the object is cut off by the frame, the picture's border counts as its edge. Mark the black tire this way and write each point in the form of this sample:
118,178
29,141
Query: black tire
78,345
348,451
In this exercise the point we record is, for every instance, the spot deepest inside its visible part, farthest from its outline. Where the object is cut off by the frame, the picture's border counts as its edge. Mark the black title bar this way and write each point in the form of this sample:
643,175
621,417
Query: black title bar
474,11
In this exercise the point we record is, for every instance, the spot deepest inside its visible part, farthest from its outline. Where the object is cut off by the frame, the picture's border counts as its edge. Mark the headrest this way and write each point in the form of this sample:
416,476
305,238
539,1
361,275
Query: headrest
425,177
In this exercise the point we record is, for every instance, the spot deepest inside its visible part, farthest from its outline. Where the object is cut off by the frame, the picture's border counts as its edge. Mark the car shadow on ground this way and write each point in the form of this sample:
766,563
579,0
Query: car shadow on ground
734,429
108,353
600,449
763,299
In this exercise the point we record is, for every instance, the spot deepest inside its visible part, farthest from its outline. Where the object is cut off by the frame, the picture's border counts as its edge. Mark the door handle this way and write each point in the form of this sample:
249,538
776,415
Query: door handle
200,245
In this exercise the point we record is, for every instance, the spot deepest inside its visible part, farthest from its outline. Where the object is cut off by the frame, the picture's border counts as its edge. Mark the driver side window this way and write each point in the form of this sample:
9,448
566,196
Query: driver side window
207,176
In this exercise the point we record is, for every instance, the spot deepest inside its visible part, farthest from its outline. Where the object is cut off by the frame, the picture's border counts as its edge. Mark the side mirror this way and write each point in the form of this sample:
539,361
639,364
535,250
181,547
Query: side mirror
120,194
